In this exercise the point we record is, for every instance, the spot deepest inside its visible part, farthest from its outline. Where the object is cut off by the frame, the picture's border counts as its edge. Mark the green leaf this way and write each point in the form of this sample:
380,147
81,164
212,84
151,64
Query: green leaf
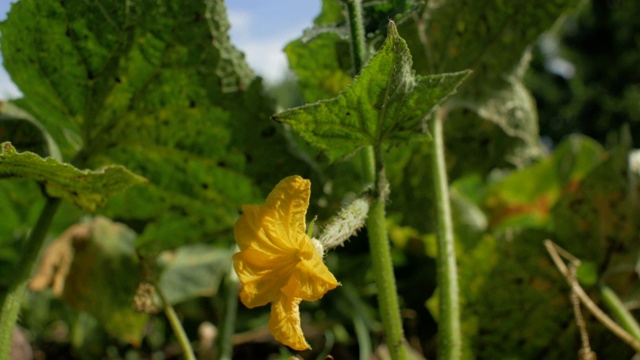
25,133
321,77
85,188
387,101
491,38
157,87
192,271
526,197
488,37
505,133
597,215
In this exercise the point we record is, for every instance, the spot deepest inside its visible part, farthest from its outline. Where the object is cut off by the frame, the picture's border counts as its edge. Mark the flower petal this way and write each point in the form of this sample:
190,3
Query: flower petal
287,206
262,275
254,229
284,323
311,278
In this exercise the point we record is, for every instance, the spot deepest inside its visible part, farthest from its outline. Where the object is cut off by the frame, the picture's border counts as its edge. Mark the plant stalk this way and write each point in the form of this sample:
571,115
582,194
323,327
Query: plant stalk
356,29
176,325
619,311
29,253
449,337
229,321
359,56
383,266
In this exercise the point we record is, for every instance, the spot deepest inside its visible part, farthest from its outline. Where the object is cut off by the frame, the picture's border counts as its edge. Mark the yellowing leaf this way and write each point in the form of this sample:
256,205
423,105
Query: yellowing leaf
277,261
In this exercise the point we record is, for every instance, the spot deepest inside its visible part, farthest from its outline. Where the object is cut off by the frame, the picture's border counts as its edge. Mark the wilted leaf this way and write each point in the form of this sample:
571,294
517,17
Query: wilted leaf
101,275
87,189
385,102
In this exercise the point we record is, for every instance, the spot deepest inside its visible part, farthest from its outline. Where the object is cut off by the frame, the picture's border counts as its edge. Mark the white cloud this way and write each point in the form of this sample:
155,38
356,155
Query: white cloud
240,23
266,57
263,51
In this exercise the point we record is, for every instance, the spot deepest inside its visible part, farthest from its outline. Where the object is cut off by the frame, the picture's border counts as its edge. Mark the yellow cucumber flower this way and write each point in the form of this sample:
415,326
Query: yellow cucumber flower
277,262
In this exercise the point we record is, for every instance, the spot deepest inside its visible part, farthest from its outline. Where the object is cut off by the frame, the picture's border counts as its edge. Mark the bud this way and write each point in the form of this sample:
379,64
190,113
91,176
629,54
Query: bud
348,221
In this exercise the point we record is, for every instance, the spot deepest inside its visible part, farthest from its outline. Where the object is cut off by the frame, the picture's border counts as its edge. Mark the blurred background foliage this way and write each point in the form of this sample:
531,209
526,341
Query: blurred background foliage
539,145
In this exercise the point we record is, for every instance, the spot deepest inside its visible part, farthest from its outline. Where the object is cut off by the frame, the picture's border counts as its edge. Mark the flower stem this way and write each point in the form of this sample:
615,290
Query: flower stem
176,325
383,266
29,253
229,321
449,338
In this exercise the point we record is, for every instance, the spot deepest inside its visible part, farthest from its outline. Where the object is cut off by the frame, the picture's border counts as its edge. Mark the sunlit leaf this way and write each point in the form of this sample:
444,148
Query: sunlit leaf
526,197
85,188
159,88
385,102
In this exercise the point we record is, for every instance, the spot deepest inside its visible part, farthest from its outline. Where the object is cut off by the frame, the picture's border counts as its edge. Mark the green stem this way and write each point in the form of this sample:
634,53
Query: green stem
176,325
229,321
619,311
359,55
383,266
28,255
356,29
449,338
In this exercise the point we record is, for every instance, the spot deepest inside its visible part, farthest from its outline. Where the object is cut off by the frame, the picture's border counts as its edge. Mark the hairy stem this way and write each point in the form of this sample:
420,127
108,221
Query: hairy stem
356,29
28,255
359,55
176,325
373,173
449,338
383,266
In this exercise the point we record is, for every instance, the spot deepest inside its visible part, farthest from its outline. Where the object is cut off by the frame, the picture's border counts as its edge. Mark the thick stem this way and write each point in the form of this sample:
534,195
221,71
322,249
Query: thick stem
176,325
29,253
449,338
383,266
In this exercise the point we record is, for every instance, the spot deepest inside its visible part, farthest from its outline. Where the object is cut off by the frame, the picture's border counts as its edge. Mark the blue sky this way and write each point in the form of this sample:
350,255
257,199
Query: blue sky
259,28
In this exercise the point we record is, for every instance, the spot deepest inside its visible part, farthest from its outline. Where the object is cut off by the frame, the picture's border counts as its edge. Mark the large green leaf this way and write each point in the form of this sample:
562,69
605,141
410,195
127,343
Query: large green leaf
489,37
321,77
598,215
387,101
526,197
158,87
85,188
